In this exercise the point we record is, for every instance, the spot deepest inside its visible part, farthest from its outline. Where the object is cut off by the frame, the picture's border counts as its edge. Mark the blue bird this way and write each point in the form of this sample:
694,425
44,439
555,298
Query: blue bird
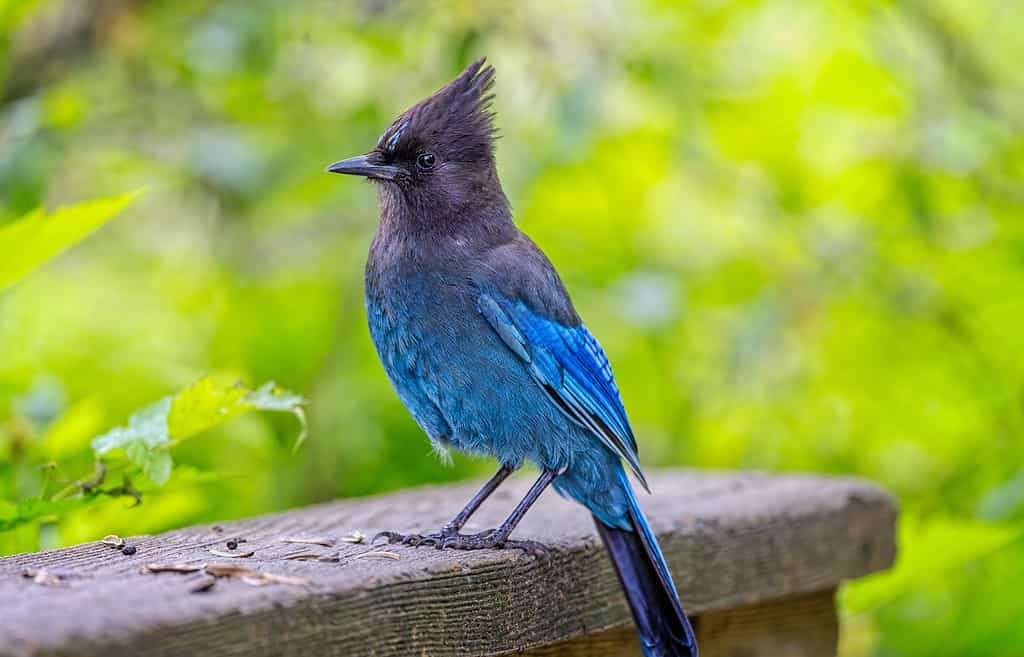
481,341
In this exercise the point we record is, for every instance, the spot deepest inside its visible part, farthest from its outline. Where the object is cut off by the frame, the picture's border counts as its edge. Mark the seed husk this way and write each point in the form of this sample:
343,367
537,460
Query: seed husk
173,567
316,540
355,537
379,553
113,540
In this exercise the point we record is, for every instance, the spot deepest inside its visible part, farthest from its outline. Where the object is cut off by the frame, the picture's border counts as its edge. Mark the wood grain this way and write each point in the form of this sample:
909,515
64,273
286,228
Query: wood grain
804,625
731,539
620,642
797,626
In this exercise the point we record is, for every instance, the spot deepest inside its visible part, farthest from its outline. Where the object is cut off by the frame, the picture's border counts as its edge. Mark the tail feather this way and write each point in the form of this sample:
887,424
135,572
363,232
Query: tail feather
661,623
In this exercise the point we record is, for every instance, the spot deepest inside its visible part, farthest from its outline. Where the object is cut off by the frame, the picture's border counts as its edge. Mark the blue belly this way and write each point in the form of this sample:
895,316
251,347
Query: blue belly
467,390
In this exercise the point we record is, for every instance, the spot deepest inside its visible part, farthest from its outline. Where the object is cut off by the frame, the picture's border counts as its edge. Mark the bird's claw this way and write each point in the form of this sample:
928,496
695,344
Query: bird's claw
413,540
448,540
492,540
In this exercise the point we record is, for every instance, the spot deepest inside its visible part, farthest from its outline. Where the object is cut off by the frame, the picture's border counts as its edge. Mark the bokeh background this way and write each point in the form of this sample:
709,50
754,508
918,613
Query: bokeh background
796,226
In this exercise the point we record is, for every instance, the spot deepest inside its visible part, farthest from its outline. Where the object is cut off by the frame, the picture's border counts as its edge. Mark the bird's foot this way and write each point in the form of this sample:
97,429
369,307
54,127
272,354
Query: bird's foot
415,540
492,540
447,539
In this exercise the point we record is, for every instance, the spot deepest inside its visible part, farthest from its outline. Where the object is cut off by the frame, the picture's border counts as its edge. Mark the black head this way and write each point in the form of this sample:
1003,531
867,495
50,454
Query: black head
438,156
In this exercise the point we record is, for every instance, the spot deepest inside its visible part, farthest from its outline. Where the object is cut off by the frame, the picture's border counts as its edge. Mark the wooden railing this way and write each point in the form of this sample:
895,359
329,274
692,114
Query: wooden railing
756,558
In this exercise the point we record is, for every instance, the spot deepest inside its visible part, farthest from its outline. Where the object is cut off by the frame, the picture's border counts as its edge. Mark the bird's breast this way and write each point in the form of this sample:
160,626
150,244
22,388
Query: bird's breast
417,315
452,370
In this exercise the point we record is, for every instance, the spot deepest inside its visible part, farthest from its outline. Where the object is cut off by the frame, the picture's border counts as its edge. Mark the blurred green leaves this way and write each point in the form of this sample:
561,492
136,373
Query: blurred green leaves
151,432
931,550
142,447
794,225
32,240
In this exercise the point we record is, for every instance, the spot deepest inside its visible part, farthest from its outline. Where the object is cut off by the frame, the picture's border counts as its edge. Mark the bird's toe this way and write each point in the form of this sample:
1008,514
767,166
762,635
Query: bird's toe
415,540
392,537
531,548
491,540
412,540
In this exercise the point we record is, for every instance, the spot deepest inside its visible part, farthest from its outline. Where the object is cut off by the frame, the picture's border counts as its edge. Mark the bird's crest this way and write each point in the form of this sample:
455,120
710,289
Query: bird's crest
456,118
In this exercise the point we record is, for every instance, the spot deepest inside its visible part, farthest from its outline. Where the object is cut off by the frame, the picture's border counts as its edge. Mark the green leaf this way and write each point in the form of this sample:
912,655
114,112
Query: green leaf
204,405
144,441
147,427
32,240
208,403
269,397
156,463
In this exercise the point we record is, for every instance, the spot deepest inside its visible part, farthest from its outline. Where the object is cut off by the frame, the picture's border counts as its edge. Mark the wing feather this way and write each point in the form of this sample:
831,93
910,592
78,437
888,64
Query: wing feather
571,367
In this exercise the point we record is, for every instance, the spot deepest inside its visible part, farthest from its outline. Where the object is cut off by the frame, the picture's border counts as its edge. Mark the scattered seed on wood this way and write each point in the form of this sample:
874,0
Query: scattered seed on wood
113,540
254,577
203,585
42,576
304,556
129,550
214,570
217,528
354,537
232,555
379,553
321,540
173,567
229,570
232,544
313,556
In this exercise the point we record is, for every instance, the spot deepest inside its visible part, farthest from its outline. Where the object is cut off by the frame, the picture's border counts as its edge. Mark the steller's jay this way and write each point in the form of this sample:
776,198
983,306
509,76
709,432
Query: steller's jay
483,345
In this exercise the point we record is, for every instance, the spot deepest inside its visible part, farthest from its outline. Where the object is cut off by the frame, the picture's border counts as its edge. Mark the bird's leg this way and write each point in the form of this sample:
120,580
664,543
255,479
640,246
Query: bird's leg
498,538
459,520
455,524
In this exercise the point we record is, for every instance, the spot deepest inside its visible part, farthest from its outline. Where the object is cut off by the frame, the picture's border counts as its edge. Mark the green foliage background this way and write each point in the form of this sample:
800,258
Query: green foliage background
795,226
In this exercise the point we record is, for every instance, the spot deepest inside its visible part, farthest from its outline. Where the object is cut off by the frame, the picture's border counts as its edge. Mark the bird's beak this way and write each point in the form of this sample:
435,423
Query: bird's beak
363,165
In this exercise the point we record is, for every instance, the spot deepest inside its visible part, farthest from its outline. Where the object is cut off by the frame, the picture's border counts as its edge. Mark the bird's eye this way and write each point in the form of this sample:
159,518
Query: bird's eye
426,161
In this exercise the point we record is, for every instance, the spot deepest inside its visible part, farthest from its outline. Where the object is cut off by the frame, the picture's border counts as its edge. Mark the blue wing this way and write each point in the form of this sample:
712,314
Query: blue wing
569,364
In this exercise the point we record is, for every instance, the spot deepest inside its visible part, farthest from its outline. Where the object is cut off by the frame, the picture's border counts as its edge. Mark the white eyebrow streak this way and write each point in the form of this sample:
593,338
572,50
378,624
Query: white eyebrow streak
396,135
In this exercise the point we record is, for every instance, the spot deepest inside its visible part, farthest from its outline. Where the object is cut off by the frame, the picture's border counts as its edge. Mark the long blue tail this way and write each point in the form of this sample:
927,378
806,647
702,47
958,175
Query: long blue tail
663,627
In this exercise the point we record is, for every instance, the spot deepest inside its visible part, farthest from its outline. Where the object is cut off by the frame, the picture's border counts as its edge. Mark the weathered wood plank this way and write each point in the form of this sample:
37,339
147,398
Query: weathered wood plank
731,540
620,642
804,625
797,626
